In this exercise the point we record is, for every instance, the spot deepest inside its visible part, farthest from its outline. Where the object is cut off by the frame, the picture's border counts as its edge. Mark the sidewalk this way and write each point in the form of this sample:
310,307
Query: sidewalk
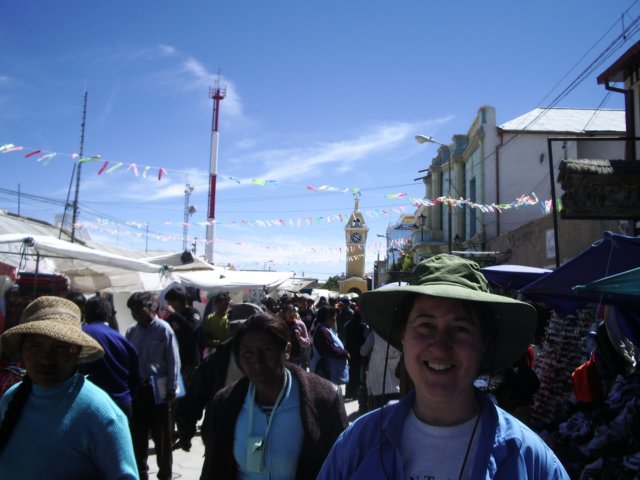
187,465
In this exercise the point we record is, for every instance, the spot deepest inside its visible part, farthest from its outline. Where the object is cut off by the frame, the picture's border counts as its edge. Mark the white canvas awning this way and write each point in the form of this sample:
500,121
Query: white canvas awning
221,278
88,269
61,250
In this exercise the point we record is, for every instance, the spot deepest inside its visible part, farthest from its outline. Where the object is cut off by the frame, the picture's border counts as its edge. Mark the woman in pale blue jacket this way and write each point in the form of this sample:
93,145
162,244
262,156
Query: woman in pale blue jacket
451,329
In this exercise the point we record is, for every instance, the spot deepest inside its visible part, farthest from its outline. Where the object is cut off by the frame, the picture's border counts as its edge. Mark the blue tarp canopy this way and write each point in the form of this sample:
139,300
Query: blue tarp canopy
623,292
611,255
614,286
512,277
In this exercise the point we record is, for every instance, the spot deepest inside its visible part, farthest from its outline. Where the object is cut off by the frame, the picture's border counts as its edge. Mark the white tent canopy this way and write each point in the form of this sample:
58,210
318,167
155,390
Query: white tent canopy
55,249
90,269
221,278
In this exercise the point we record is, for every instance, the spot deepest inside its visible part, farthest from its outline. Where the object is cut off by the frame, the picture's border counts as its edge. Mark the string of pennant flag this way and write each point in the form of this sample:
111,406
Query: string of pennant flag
109,227
308,221
109,167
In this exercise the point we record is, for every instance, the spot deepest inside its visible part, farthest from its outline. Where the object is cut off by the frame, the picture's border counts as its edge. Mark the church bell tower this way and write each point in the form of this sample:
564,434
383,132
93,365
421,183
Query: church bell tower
356,231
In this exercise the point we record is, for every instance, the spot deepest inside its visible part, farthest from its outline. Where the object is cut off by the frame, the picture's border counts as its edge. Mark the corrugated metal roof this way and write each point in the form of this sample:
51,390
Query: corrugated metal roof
568,120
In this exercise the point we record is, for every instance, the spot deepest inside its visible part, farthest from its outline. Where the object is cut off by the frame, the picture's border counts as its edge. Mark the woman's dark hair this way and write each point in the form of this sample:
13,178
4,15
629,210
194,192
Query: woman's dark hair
97,309
177,293
14,410
324,313
113,320
289,307
76,297
261,322
141,299
222,297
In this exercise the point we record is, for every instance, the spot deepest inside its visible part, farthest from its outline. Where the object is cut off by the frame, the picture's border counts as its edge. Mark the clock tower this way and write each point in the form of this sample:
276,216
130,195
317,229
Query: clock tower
355,231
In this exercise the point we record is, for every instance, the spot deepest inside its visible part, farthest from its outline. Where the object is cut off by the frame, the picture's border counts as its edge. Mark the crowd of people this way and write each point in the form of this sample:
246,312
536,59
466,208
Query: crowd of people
442,370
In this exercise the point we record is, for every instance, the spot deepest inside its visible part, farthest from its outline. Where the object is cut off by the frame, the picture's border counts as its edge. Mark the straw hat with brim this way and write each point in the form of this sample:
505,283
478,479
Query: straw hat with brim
449,276
54,317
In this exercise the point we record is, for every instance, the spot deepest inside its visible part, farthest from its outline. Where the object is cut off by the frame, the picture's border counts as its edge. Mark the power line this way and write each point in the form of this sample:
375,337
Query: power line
609,50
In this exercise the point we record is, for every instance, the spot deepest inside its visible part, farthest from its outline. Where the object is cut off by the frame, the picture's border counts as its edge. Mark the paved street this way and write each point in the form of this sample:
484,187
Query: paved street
187,465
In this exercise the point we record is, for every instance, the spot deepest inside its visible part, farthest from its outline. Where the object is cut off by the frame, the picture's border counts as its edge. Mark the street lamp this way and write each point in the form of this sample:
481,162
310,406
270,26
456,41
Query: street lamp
425,139
422,222
189,210
393,250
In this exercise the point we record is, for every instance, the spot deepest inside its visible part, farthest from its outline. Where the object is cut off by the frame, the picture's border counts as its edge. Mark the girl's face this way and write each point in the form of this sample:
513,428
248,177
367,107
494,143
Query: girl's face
331,319
49,361
443,348
290,314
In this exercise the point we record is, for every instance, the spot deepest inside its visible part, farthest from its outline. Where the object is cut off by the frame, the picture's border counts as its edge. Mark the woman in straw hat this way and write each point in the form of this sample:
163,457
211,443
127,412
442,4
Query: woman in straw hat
450,329
55,424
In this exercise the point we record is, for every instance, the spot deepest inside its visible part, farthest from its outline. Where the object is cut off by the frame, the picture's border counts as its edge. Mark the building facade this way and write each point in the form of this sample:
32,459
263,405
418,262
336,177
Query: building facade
494,180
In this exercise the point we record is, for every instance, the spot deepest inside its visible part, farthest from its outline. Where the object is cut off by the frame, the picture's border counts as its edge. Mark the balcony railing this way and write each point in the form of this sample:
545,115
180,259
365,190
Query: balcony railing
425,236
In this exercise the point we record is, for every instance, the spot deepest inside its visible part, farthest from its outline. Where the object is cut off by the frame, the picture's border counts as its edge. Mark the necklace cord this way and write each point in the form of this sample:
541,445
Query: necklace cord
466,455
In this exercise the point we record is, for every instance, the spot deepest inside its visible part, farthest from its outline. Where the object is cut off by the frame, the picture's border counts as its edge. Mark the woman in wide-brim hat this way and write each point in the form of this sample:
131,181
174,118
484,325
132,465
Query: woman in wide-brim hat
451,329
55,424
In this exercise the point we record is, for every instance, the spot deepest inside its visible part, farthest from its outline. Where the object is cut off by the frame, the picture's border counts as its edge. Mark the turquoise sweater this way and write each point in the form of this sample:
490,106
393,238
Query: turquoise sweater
70,431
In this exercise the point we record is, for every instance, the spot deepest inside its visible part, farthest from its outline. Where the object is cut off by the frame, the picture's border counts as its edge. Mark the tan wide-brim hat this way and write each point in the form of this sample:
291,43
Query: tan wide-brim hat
54,317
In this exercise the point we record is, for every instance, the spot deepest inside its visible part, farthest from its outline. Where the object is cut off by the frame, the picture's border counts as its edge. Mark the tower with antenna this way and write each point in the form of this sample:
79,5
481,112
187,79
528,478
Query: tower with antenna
189,210
216,94
77,167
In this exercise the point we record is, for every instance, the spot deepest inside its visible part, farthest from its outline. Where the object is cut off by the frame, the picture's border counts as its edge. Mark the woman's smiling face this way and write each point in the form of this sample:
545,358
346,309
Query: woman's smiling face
443,347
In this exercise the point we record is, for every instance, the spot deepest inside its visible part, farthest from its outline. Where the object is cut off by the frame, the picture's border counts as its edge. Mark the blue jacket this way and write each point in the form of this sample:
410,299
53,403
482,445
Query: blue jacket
117,371
507,448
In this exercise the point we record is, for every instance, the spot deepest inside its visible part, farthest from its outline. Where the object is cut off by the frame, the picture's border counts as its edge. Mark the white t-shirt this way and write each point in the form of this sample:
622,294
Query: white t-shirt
437,453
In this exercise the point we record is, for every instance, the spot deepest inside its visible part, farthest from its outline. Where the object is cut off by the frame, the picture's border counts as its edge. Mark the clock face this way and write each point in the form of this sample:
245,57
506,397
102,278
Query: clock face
356,237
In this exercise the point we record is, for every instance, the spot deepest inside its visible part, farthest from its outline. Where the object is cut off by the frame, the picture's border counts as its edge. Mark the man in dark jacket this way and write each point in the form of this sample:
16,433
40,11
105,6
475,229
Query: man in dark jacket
355,333
117,372
215,372
186,324
346,314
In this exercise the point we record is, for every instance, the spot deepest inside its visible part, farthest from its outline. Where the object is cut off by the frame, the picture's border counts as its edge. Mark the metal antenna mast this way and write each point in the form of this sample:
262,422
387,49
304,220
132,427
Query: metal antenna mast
217,94
74,217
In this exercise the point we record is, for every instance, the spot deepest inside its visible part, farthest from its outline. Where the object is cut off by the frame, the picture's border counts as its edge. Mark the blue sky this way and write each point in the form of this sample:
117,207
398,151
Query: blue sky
324,93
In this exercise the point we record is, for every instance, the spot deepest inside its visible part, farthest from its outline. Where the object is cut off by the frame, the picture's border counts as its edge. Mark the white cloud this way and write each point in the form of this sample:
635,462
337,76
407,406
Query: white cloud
179,71
341,155
283,251
108,104
167,50
198,77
